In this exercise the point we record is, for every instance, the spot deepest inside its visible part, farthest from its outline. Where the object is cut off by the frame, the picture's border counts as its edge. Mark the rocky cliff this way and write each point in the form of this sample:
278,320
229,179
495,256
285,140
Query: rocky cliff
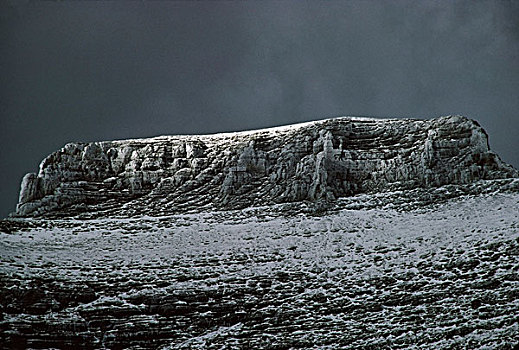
382,267
322,160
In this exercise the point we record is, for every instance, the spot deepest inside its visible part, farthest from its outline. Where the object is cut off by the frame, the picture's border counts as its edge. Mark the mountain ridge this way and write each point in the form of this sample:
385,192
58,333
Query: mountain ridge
127,245
311,161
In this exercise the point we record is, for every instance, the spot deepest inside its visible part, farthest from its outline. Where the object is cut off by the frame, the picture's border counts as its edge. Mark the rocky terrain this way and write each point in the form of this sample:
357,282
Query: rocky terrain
341,234
313,161
442,276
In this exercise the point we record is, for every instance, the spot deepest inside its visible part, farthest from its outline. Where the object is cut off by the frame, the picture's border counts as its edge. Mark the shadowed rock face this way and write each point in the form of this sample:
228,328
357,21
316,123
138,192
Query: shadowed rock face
321,160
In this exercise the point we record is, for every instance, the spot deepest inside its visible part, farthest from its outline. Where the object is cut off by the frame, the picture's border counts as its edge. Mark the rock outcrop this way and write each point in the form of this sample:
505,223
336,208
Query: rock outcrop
315,161
359,233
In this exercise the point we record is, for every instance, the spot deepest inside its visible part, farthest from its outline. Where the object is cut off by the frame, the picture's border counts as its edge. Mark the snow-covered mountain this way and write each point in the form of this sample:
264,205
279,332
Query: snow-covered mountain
348,233
316,161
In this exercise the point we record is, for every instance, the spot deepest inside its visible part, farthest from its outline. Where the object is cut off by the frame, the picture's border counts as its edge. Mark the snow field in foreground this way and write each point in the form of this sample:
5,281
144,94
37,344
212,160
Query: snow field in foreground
436,277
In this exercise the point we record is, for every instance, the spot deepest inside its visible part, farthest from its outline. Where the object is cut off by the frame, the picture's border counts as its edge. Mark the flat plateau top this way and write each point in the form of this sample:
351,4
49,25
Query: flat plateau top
275,129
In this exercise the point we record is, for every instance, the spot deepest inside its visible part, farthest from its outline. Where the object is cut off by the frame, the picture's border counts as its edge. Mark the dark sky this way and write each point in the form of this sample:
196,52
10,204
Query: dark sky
87,71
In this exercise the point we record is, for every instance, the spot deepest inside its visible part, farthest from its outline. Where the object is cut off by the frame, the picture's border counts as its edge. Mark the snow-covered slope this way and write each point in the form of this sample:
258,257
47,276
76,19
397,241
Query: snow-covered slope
439,276
349,233
316,161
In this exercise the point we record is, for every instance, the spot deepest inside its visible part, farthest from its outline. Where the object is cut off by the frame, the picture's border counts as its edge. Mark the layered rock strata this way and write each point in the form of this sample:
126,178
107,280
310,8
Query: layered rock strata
322,160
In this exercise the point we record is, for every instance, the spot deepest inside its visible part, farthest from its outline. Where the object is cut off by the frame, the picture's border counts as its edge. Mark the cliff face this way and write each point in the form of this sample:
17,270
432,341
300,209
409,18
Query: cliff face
320,160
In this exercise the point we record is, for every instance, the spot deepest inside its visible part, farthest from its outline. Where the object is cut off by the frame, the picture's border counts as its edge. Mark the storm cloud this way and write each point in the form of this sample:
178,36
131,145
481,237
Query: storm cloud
88,71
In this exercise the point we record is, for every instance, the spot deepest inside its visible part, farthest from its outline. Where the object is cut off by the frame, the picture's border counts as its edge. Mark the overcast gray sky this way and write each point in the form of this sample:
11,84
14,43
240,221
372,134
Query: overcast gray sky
88,71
